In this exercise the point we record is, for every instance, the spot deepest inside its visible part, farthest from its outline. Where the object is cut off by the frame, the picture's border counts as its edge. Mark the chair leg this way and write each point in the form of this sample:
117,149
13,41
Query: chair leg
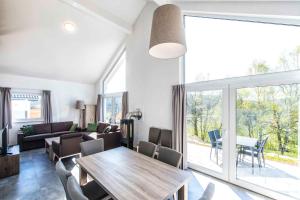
210,152
263,157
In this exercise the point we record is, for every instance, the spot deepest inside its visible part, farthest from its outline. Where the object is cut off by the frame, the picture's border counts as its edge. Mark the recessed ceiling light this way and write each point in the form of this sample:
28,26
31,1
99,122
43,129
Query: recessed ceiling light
69,26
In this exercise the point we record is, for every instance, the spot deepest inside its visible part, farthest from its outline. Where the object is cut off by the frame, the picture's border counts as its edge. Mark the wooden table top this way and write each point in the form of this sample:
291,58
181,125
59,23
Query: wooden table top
49,140
126,174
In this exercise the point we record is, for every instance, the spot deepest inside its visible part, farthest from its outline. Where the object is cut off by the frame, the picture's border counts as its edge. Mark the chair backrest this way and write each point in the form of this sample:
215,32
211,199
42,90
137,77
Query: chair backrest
147,148
217,134
208,192
212,138
63,176
74,189
92,147
70,143
169,156
154,135
262,144
166,138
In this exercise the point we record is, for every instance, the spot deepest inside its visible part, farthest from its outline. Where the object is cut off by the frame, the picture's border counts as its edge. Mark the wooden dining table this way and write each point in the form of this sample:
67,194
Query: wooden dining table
127,175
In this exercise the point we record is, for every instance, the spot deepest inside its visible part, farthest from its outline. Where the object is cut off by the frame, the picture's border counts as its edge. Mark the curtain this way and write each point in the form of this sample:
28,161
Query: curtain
47,108
178,119
99,108
5,101
124,104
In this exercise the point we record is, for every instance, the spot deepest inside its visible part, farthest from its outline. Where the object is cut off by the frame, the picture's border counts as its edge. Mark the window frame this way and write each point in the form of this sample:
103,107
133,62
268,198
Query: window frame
113,96
30,92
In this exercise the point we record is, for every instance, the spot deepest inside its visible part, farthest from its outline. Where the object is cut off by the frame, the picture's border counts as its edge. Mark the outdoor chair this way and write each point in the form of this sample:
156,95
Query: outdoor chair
213,137
258,151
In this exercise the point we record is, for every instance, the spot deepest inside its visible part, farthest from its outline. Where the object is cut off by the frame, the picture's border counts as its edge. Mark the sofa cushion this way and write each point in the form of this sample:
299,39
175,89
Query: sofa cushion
73,127
41,128
101,127
92,127
56,134
114,127
61,126
37,137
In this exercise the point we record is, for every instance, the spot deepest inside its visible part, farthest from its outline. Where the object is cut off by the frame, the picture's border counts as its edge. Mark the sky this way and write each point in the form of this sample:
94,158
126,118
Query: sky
219,49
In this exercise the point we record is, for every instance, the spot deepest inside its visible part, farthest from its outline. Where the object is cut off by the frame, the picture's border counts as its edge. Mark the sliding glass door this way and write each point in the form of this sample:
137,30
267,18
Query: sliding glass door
205,128
267,136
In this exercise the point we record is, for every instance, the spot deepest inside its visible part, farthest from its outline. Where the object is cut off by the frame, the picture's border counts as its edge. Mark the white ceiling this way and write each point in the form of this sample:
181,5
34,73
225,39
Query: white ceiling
34,43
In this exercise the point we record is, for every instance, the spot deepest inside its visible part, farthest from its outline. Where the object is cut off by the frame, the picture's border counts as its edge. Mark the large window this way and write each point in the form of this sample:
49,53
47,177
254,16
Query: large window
26,106
240,128
220,49
114,85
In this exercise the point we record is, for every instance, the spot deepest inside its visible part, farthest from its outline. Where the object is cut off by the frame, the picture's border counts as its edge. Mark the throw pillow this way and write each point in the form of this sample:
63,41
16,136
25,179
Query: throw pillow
107,129
73,127
27,130
92,127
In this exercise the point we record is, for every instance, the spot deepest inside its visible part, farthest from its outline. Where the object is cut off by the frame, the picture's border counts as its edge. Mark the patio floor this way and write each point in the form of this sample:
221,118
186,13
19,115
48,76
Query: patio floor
280,177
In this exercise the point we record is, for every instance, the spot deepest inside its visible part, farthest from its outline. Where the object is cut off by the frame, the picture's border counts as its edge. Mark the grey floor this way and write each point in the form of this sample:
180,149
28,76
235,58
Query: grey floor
37,180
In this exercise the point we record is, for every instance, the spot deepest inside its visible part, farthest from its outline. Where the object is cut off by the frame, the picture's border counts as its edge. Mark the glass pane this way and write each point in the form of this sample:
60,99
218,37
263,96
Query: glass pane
267,137
116,80
108,110
118,109
204,124
213,46
26,106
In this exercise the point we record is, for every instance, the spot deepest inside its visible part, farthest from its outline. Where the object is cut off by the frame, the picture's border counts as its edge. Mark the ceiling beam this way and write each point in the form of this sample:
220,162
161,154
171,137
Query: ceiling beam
99,13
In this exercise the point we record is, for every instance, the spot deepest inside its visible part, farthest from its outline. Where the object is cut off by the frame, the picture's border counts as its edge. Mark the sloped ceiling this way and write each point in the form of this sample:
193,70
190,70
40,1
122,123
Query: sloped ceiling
33,41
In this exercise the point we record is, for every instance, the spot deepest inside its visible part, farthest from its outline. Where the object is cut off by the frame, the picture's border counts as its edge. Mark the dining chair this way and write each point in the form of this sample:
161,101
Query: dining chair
92,147
208,192
169,156
166,138
258,151
147,148
74,190
63,175
154,135
214,144
91,190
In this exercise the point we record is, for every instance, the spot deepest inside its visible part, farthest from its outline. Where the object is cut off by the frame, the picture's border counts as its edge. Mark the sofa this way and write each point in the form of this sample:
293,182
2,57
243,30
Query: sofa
68,145
36,139
110,133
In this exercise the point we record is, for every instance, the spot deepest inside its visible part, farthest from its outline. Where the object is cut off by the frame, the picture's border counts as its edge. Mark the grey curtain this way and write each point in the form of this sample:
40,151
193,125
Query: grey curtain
99,108
5,106
47,108
124,104
178,118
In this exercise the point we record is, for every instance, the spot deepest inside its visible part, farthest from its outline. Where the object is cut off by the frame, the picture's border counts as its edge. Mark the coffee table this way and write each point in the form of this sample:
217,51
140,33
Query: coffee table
48,146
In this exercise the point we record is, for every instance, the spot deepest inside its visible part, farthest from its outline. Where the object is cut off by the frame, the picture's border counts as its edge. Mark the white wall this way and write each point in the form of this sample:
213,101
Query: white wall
63,94
149,80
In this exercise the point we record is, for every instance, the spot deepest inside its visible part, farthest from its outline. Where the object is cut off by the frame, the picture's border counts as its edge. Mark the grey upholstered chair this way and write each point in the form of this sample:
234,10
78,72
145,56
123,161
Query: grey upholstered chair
208,192
92,147
74,190
169,156
63,176
91,190
166,138
154,135
147,148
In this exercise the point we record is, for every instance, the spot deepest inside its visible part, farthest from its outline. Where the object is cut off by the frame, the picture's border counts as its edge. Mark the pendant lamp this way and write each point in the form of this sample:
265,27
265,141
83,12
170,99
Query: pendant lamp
167,33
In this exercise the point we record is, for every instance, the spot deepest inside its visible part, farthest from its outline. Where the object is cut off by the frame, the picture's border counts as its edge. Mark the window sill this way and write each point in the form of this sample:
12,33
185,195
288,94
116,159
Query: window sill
27,121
